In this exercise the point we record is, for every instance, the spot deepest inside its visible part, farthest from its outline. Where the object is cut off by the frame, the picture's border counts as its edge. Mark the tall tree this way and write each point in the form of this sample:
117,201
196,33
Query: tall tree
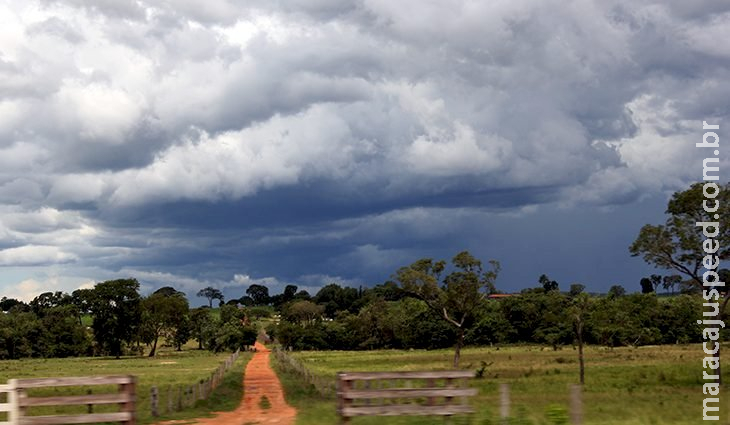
200,323
458,297
115,308
616,291
164,313
548,284
680,244
82,299
646,285
671,282
579,312
211,294
335,298
48,300
259,294
576,289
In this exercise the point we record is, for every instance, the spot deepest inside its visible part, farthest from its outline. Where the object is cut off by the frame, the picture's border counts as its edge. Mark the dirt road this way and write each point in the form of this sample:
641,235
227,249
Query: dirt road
263,397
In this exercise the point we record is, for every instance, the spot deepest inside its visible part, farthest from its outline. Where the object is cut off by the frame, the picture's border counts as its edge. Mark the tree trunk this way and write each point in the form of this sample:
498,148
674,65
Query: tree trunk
459,344
580,353
154,347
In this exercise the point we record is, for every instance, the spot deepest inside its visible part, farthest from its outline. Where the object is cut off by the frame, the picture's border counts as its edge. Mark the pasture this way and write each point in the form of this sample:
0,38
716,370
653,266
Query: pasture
627,386
168,369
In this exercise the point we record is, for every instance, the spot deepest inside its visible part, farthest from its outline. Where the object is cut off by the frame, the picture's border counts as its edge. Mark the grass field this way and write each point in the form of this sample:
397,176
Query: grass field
167,369
627,386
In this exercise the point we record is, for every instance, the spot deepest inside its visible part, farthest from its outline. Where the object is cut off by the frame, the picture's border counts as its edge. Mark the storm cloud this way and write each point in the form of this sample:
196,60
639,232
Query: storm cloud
307,142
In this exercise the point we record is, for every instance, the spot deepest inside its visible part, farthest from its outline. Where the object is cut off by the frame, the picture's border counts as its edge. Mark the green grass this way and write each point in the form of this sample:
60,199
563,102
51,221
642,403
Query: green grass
627,386
168,369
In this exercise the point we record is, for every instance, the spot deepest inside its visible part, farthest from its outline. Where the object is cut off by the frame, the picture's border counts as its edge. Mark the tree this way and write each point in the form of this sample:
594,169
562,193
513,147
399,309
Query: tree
259,294
167,291
336,298
7,303
656,281
303,312
677,244
64,336
616,291
547,284
200,322
48,300
579,312
82,299
671,282
115,308
576,289
164,312
211,294
231,332
458,297
680,244
646,286
289,292
20,334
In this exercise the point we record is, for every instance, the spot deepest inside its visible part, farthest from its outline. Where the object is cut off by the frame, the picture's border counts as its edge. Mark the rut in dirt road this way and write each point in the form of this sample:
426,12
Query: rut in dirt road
263,397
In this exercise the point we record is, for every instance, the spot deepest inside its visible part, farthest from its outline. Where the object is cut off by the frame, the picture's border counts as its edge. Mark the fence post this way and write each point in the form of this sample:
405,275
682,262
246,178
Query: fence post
89,407
169,399
344,387
128,406
576,404
504,402
14,413
179,398
154,402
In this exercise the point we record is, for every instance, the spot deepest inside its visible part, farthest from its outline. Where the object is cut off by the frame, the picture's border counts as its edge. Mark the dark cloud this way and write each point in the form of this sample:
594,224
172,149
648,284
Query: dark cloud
300,142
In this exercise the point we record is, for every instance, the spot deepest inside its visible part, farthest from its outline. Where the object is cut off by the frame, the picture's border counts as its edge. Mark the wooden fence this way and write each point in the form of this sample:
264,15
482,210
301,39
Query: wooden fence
326,387
441,393
182,396
19,400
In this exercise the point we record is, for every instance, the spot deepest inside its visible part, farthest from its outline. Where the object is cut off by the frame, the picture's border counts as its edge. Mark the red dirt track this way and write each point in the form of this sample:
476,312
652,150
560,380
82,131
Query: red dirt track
259,381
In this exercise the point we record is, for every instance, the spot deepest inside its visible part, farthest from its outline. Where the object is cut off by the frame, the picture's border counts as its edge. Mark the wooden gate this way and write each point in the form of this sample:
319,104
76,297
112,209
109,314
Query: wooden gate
19,401
403,393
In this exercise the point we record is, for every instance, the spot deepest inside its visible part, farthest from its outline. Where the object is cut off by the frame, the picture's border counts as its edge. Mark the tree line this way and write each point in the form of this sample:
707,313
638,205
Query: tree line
113,319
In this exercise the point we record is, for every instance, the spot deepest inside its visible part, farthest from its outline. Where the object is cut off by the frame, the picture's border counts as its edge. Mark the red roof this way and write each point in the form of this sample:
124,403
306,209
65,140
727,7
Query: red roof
492,296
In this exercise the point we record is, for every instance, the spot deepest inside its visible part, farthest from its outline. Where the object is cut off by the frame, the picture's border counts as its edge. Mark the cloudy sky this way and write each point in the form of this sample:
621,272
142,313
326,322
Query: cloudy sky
195,144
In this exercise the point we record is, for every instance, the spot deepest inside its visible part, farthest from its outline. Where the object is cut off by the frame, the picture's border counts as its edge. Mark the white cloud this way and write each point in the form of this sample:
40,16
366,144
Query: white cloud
33,255
234,164
246,280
